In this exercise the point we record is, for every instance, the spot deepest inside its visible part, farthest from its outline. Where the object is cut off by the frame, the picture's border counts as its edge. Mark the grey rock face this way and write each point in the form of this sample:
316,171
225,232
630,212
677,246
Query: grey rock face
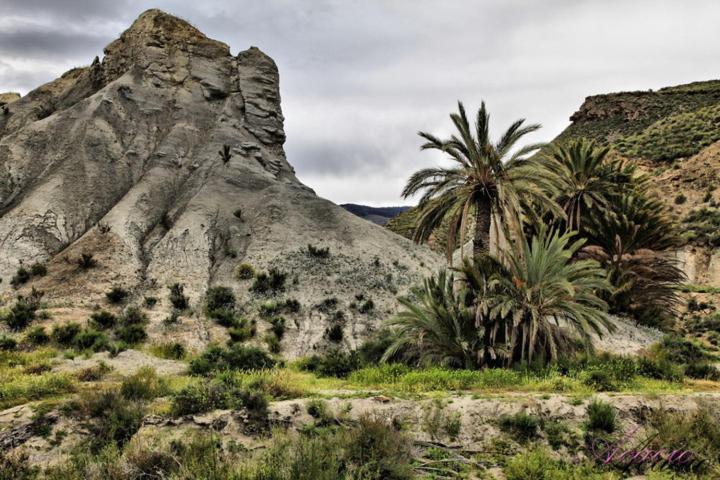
122,160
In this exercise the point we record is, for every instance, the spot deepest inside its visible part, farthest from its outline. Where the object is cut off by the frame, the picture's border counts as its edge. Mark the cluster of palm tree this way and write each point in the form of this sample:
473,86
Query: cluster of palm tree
577,232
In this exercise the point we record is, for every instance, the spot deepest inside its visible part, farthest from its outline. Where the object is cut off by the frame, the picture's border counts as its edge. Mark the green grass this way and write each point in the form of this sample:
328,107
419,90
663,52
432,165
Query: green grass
691,288
25,388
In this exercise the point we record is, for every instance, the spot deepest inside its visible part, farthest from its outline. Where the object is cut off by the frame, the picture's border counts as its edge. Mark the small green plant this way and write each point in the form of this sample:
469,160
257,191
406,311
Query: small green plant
7,343
23,311
244,271
37,336
318,252
150,302
522,425
334,363
271,282
680,199
103,320
65,334
143,385
116,295
86,261
277,326
318,409
273,343
21,277
335,333
367,307
38,270
225,154
177,297
601,417
234,357
169,350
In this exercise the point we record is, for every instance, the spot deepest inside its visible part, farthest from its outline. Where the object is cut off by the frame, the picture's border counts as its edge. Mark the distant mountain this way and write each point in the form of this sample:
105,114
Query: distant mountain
379,215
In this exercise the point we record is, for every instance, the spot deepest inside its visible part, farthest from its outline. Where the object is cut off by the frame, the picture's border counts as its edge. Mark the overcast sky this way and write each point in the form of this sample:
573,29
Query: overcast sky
360,78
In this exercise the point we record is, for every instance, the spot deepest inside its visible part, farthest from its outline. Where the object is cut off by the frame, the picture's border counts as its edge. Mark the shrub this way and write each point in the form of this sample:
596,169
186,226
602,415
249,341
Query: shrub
600,380
143,385
86,261
37,336
522,425
244,271
90,339
601,417
116,295
103,319
367,307
702,371
133,316
291,305
661,369
94,373
272,281
334,363
277,326
21,314
318,252
21,277
242,331
219,298
273,343
38,270
335,333
318,409
214,394
114,419
177,297
680,199
235,357
378,451
65,334
131,334
7,343
150,302
170,350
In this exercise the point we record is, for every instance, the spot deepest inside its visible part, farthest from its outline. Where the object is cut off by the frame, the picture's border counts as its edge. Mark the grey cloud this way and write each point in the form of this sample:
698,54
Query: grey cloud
359,78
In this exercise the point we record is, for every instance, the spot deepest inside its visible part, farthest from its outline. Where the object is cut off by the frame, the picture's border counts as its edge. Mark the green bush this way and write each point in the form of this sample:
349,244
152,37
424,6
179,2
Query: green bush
133,316
103,319
131,334
170,350
86,261
23,311
90,339
367,307
235,357
702,371
271,282
334,363
218,394
150,302
601,417
521,425
65,334
37,336
116,295
177,297
335,333
661,369
143,385
277,326
21,277
7,343
318,252
244,271
113,418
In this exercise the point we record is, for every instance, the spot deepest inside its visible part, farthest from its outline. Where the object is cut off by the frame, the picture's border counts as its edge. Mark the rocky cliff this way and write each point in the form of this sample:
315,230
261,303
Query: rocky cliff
164,161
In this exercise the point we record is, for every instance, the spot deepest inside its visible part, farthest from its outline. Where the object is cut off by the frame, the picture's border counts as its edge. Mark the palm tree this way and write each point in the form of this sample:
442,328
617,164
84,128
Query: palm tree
500,314
488,179
438,327
634,242
584,179
543,293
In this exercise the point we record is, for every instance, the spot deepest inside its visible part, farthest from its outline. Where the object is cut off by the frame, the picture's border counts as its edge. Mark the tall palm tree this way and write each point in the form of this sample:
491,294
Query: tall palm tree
488,179
584,179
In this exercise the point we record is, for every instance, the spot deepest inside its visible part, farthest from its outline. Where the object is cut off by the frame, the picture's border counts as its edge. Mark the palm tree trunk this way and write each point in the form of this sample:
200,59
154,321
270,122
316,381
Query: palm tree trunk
481,241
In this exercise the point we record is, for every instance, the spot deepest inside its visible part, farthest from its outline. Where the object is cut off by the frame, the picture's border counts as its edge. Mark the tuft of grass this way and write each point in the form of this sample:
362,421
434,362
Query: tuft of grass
601,417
